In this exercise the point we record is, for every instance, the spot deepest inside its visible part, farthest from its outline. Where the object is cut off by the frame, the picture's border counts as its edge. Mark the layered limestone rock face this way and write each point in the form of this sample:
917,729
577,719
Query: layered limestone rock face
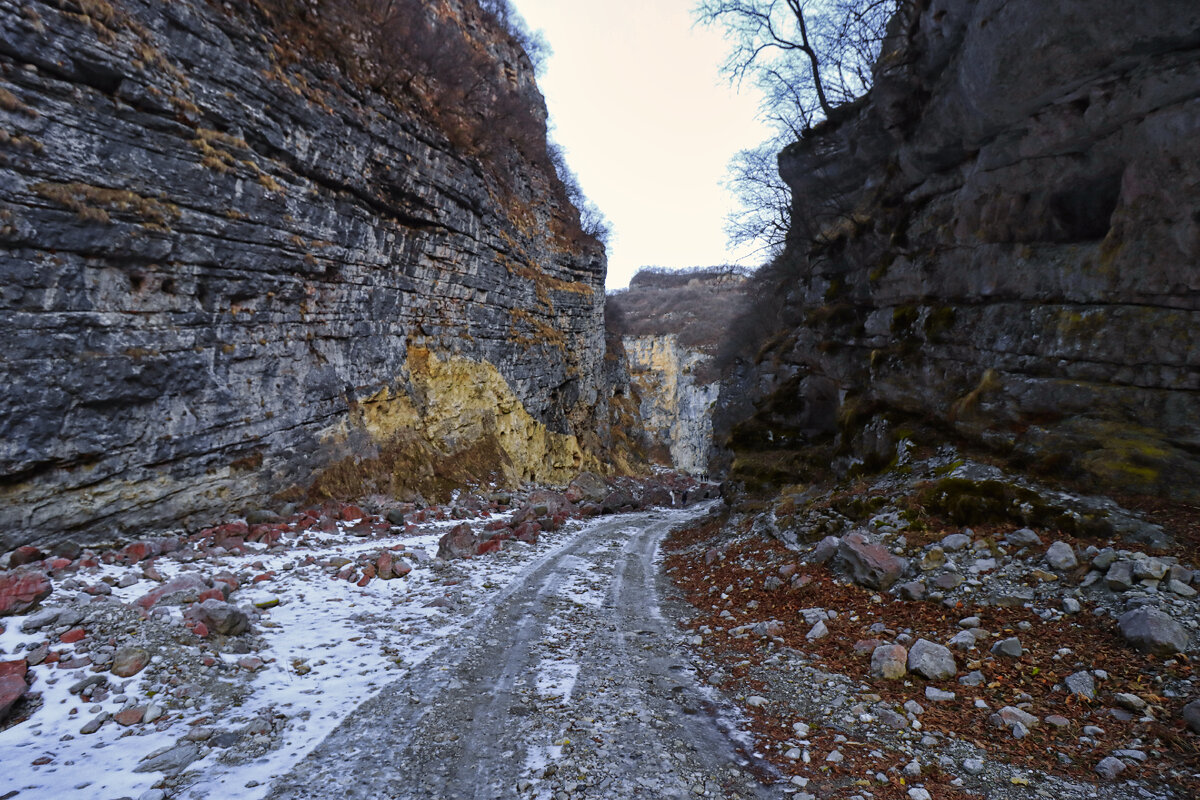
673,325
226,273
1001,241
676,409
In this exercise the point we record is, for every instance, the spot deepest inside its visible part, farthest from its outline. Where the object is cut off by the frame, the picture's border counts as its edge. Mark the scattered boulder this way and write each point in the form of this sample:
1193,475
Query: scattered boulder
25,554
870,565
219,617
1119,577
913,590
826,549
460,542
1024,538
1109,768
587,486
1191,716
889,661
171,761
180,590
955,542
931,660
1081,684
129,661
1061,556
1009,648
21,590
1152,631
12,685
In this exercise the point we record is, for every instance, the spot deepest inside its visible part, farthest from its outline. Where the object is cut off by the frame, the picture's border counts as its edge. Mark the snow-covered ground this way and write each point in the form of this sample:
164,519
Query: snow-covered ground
327,648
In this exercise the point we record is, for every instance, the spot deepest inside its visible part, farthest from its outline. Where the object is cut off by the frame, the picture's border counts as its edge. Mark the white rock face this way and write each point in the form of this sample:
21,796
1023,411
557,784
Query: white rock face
676,409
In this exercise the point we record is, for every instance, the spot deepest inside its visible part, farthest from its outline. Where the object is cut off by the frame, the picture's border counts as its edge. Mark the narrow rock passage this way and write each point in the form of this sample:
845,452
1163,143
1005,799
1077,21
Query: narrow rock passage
571,680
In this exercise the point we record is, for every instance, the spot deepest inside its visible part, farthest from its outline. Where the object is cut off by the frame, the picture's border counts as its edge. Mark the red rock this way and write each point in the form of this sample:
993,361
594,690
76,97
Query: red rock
12,684
201,630
138,551
129,661
83,562
57,564
25,554
227,578
131,716
52,657
250,663
490,546
208,661
495,525
400,568
41,761
527,532
210,594
231,529
351,513
460,542
383,566
364,580
266,576
72,636
21,590
870,565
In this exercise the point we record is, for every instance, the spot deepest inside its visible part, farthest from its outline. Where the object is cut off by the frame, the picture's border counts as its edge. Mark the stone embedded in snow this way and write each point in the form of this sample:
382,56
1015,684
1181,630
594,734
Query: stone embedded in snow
1081,684
180,590
889,661
12,685
130,716
1152,631
932,661
870,564
219,617
172,761
755,701
21,590
1061,557
460,542
129,661
35,622
1009,648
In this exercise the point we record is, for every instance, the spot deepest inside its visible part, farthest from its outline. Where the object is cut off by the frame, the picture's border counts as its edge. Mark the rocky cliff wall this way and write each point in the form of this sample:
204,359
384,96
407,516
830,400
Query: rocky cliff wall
1001,242
676,407
229,273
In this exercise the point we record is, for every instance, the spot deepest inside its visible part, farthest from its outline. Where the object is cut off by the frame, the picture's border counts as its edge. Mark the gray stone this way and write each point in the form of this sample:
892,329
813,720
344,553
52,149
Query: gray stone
1104,559
1009,648
173,760
1129,701
1071,606
1109,768
936,695
826,549
955,542
1119,577
973,766
931,660
973,678
1081,684
220,617
1191,716
889,661
1152,631
1061,556
1180,588
912,590
1023,538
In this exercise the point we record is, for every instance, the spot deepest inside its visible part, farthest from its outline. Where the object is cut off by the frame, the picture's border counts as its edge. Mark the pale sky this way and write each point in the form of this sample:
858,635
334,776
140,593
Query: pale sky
648,123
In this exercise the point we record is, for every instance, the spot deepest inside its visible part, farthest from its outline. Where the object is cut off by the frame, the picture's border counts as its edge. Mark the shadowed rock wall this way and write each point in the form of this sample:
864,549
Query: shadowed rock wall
1003,241
213,259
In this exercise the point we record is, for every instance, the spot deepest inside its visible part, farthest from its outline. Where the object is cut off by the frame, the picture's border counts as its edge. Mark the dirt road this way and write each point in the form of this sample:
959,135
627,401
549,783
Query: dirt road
568,683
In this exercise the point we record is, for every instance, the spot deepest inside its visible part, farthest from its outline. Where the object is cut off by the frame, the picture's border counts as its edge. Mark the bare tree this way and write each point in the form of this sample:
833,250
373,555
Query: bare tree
807,57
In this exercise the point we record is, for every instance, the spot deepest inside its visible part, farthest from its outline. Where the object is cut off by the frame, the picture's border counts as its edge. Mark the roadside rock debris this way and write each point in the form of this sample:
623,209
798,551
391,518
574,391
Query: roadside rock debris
968,649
